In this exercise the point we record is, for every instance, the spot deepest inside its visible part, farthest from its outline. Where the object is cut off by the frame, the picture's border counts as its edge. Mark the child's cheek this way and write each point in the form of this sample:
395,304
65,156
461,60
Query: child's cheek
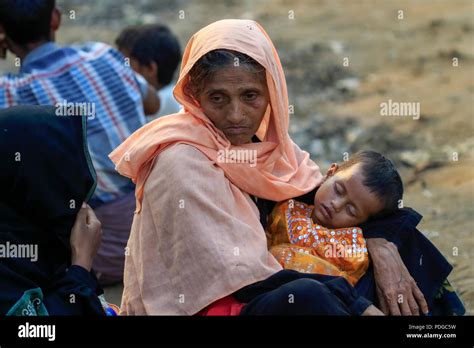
321,194
315,201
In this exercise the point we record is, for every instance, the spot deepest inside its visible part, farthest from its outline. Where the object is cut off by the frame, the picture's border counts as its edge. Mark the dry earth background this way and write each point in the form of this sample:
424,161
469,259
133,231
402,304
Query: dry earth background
337,107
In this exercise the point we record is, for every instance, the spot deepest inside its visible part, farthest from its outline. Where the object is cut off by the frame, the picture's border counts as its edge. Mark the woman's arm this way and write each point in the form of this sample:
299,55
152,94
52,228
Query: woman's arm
85,238
74,293
396,290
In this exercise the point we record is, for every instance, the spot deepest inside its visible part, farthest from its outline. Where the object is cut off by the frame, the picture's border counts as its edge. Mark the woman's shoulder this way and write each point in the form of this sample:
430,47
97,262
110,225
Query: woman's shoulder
184,171
181,154
183,160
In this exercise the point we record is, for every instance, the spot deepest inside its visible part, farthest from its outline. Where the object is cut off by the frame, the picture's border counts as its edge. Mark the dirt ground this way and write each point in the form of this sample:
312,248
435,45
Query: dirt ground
427,56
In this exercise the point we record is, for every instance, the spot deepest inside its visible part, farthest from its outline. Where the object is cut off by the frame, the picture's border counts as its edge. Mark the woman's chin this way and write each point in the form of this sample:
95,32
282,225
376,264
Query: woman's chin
239,140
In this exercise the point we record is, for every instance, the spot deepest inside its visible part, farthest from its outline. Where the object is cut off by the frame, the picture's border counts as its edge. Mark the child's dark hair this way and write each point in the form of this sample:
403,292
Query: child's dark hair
381,177
152,43
26,21
204,69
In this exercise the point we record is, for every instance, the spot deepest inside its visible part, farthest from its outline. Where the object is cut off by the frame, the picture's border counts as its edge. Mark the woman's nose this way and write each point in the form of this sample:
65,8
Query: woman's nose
236,114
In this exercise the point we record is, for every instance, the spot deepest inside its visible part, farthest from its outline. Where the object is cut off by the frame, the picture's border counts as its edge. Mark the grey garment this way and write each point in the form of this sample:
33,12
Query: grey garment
116,218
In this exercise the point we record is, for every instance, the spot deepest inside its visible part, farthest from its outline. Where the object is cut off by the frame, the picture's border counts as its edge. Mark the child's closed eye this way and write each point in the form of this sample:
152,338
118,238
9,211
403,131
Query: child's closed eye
351,210
337,189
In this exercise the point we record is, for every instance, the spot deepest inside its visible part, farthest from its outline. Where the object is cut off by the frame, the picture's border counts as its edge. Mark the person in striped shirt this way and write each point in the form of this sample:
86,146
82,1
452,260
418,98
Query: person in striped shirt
94,79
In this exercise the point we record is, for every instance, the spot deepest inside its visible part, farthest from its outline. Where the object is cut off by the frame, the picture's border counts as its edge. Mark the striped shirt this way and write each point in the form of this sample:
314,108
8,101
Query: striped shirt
92,75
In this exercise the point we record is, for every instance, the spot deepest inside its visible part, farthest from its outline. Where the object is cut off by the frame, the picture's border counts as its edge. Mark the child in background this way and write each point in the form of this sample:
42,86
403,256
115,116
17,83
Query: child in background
320,239
154,53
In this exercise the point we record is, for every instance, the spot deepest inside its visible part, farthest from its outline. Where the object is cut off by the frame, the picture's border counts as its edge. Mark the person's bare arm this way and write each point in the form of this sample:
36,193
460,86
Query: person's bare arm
151,103
396,290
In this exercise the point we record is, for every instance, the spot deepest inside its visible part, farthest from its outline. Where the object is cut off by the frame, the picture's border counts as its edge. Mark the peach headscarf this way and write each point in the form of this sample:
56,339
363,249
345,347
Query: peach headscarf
197,236
282,170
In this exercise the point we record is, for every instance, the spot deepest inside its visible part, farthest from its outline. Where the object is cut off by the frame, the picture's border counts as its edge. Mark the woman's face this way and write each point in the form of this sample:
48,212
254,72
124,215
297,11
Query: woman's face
235,100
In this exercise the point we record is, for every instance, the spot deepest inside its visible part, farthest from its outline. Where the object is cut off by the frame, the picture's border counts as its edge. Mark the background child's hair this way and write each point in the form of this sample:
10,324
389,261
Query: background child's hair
26,21
381,177
152,43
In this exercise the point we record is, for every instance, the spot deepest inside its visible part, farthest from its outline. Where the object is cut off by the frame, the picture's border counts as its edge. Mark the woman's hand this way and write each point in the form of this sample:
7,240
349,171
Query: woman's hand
85,237
397,291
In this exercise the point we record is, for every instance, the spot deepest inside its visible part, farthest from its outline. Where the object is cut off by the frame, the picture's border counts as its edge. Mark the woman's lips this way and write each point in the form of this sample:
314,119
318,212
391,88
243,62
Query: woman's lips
237,130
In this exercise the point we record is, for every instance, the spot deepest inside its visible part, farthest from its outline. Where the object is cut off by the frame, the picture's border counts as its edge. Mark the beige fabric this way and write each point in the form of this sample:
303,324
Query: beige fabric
192,242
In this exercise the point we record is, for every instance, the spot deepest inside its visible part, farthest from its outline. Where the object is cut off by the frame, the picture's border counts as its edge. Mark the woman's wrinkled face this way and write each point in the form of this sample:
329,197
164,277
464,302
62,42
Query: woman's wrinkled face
235,100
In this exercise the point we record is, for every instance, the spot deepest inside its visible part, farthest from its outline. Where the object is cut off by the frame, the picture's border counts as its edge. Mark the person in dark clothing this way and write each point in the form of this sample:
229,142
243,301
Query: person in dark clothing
423,261
290,292
48,236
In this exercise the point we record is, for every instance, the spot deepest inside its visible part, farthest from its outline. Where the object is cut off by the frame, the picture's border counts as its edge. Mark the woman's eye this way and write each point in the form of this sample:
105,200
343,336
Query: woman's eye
250,96
337,189
217,99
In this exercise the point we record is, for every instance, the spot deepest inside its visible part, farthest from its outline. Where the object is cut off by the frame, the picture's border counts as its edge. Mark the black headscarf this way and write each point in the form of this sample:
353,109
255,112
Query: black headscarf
45,176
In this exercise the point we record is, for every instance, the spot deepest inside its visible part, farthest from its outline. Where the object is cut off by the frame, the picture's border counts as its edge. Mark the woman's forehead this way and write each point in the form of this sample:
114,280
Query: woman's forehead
235,78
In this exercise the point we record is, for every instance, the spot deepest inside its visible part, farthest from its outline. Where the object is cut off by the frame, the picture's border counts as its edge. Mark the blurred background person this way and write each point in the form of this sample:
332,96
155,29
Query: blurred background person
92,73
155,53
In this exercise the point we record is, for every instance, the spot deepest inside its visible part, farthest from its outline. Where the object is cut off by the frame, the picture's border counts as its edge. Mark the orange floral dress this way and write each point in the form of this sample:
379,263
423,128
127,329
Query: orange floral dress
304,246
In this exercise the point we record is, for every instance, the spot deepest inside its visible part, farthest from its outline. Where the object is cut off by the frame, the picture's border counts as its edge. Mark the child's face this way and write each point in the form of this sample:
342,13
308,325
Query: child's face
343,200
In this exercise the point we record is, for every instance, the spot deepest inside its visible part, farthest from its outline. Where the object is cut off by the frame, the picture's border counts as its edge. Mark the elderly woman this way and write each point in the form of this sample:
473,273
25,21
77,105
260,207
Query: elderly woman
205,180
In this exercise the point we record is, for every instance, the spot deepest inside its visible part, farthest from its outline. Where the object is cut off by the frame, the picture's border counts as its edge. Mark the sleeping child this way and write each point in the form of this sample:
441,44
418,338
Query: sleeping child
323,238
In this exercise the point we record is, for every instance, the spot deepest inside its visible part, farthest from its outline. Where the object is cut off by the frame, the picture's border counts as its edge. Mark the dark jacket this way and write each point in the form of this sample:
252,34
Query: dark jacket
46,174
